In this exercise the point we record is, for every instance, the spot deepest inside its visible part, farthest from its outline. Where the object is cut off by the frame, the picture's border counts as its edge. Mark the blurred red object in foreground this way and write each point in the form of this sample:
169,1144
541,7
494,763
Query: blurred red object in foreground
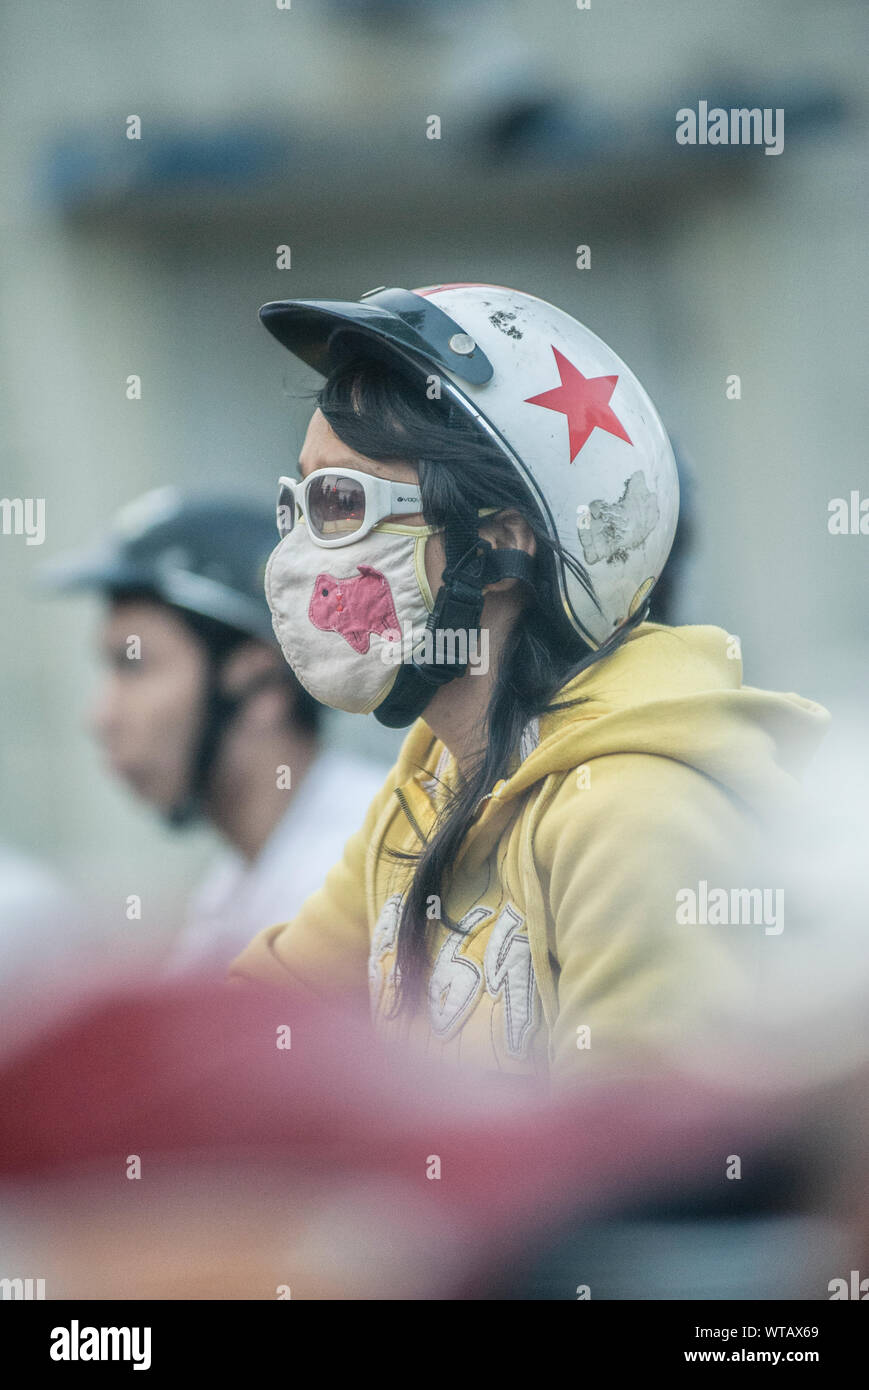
283,1153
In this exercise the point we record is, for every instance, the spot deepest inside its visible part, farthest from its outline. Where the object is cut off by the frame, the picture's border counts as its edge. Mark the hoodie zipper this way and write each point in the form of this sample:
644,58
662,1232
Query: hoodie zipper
493,795
402,801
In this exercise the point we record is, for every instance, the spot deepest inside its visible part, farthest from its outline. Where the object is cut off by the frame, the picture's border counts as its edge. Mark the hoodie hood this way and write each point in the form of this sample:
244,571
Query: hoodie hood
677,692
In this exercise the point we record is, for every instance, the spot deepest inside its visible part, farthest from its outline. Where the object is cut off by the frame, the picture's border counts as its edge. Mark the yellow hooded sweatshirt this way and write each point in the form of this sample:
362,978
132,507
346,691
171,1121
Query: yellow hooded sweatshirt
572,883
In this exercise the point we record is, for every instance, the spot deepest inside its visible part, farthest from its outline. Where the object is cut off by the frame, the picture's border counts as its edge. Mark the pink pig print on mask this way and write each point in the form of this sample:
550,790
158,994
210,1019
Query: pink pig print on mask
378,605
356,607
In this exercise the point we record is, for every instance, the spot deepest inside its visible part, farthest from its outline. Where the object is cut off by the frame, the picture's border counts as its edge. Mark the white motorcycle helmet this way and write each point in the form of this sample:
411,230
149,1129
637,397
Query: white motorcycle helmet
563,408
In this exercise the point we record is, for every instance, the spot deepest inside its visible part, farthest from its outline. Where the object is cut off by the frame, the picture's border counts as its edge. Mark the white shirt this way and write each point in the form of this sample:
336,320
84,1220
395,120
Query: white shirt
238,898
39,919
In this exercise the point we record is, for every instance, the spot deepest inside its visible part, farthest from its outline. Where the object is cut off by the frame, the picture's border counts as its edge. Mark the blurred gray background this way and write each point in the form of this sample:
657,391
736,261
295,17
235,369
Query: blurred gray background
307,127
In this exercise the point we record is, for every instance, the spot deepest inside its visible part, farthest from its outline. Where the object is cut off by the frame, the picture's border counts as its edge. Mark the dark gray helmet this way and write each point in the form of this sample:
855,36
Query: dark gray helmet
205,557
201,554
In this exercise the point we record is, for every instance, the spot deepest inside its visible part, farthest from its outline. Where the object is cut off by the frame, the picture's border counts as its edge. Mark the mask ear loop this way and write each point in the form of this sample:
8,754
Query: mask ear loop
458,607
471,562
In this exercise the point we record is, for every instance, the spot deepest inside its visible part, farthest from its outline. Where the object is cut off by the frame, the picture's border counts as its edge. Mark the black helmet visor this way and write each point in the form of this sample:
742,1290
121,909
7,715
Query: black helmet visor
308,328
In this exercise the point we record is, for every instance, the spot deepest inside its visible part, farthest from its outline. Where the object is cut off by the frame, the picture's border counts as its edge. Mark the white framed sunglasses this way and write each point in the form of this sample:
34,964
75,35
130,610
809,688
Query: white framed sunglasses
340,505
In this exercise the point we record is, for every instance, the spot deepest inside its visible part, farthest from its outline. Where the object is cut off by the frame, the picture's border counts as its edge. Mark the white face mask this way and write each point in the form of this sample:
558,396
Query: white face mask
347,617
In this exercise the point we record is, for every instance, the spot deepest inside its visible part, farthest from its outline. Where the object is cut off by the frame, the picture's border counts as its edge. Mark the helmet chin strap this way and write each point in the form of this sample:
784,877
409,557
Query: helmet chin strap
218,710
471,563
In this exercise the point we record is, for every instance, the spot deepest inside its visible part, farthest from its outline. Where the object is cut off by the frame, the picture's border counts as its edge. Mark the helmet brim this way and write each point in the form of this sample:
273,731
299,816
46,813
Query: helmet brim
97,570
312,330
107,575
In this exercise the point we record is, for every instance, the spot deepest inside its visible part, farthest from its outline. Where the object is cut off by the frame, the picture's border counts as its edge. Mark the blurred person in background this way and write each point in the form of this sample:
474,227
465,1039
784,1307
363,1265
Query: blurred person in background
198,713
482,468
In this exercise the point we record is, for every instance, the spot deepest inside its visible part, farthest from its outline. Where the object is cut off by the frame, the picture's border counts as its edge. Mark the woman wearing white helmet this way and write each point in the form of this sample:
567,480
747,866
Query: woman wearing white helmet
487,499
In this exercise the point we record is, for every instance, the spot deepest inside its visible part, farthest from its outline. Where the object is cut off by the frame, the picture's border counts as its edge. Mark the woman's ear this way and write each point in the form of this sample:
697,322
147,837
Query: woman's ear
508,530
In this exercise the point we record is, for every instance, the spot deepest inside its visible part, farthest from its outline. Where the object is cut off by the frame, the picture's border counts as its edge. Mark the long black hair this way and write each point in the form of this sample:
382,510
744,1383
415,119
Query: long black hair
381,411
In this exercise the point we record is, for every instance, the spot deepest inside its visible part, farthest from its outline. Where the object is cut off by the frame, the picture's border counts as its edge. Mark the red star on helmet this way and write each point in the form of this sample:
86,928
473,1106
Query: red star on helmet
585,402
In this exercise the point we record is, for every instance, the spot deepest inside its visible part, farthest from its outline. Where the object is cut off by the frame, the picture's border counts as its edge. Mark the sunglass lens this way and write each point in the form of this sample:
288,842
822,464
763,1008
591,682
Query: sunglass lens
335,506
